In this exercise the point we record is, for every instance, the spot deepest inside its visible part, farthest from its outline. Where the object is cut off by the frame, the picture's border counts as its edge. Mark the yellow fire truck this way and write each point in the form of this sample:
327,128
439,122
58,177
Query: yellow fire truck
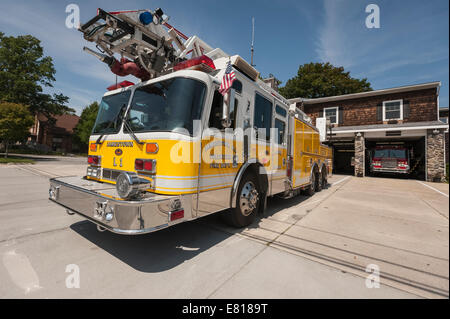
172,148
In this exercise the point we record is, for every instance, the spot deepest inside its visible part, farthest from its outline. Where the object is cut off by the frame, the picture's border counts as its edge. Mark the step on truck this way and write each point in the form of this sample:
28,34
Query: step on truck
199,133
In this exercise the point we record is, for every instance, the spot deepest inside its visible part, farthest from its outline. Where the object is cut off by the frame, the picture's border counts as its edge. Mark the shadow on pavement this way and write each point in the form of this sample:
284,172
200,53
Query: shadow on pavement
34,158
154,252
167,248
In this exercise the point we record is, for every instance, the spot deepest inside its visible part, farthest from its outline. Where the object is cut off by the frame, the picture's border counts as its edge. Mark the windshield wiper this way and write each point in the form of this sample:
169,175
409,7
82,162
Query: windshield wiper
114,120
127,126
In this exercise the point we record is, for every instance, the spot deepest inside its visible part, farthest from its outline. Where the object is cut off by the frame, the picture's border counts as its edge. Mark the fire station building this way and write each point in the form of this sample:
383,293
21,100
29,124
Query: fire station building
406,117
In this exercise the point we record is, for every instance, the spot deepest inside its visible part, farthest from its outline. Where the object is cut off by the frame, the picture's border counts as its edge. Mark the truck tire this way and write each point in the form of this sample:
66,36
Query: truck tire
312,187
248,200
324,180
319,185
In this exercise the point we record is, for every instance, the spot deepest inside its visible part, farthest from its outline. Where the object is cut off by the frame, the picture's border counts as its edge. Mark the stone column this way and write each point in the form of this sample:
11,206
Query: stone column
435,161
360,147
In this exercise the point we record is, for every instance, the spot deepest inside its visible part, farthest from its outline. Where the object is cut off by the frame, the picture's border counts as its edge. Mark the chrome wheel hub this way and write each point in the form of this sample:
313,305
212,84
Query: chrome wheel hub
248,200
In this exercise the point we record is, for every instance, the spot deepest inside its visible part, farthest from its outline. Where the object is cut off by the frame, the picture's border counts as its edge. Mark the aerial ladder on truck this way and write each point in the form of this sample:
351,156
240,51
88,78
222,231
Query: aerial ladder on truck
148,45
137,182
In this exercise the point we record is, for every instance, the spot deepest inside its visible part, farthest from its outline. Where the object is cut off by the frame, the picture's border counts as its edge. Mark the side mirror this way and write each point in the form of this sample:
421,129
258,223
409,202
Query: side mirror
228,104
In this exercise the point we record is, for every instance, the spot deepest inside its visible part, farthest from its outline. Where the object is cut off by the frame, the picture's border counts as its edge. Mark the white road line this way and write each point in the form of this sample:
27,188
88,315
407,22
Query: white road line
339,181
433,189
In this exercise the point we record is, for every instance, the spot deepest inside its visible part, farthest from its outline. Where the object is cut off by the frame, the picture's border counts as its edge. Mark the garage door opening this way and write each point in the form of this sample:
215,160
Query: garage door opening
412,148
344,152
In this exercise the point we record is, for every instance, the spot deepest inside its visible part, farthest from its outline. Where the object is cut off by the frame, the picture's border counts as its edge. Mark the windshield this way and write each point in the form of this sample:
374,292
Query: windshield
168,105
108,119
390,153
397,154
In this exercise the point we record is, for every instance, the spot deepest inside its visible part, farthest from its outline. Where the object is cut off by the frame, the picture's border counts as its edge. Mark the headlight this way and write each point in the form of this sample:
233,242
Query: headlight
53,192
130,185
93,172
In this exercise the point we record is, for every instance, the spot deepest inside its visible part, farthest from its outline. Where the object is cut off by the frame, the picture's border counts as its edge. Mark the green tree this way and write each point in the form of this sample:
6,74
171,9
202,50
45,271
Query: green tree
84,127
315,80
24,72
15,122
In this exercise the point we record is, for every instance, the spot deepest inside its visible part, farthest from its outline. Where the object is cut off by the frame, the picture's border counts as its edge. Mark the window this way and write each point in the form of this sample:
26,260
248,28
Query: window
393,110
215,117
170,105
237,86
263,115
332,114
233,113
443,119
111,109
390,153
216,111
281,128
280,111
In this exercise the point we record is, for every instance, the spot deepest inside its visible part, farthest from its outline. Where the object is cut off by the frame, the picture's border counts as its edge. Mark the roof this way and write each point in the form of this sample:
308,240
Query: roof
391,127
400,89
65,121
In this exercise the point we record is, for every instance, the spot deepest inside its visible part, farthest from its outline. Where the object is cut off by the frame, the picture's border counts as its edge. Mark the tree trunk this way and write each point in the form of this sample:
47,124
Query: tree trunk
6,149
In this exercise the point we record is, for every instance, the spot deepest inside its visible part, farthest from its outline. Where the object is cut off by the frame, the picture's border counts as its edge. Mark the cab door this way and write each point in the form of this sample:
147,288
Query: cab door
279,150
262,124
219,164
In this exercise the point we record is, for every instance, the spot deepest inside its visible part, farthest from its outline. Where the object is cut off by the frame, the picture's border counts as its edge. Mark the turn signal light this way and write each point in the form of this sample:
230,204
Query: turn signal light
93,147
148,166
151,148
376,163
145,165
402,164
94,160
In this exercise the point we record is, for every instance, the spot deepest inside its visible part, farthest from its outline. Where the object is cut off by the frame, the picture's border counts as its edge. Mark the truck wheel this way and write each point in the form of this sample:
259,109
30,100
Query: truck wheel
319,184
247,202
312,188
324,180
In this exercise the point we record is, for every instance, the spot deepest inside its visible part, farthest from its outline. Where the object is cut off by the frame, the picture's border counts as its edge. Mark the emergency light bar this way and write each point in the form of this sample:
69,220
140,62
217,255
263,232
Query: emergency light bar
201,63
122,84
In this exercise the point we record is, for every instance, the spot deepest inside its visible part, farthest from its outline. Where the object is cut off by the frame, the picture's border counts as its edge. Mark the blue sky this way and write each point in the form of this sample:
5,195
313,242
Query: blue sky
411,46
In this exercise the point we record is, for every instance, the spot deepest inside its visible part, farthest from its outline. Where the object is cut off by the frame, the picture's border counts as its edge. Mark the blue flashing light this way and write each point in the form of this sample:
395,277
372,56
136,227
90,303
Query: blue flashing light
146,18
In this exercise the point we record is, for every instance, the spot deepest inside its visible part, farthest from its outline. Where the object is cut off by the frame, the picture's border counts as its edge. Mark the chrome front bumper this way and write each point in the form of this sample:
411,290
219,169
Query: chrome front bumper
99,203
390,170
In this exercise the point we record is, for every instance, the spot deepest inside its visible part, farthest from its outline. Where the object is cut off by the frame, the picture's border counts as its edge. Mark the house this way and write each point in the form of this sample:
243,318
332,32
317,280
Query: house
406,115
443,117
57,137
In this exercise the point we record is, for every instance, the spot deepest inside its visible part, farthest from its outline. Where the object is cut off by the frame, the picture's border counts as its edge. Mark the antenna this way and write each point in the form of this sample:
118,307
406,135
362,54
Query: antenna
253,39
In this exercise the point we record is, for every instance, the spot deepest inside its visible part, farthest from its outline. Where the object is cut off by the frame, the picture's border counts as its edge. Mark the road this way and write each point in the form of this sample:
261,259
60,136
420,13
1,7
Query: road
304,247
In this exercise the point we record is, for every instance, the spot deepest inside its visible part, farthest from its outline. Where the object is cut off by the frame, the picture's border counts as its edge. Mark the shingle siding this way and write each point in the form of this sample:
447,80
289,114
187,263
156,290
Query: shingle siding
363,111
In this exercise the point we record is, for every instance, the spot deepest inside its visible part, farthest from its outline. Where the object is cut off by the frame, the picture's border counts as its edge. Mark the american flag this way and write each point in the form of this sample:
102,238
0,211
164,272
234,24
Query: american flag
227,80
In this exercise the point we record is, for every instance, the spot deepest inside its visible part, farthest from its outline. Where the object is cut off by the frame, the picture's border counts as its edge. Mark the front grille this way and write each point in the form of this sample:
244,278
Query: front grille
389,163
110,174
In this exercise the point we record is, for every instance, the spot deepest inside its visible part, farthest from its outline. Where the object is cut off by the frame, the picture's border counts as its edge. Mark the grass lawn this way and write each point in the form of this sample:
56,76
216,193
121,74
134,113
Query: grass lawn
15,159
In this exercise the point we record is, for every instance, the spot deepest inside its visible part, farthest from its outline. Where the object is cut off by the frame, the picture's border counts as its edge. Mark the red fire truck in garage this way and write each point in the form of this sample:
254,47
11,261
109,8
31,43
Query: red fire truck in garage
390,159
